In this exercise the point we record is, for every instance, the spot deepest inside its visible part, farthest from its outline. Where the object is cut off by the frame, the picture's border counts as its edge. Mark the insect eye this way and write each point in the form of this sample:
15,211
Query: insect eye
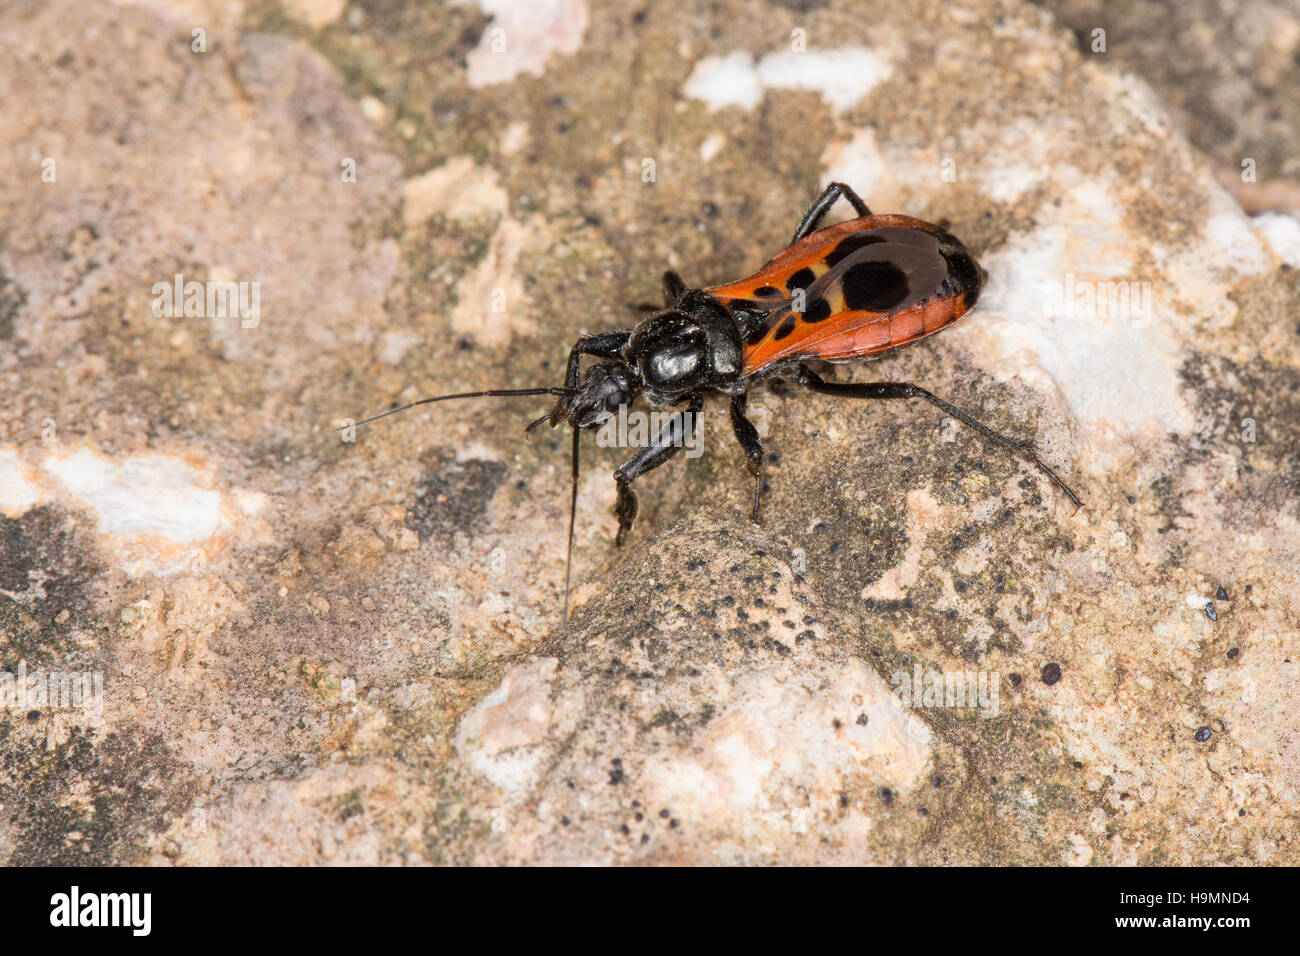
614,401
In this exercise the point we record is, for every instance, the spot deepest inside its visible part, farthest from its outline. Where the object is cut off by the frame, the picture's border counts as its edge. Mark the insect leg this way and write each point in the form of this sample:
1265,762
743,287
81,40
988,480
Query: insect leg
600,345
747,435
822,205
906,390
673,288
669,441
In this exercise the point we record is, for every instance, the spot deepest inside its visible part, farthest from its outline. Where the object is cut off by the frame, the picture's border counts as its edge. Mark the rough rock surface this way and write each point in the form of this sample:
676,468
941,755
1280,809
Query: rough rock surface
315,650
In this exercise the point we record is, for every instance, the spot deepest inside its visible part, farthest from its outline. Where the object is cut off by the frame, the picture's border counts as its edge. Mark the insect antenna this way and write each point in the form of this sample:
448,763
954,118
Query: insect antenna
490,393
573,512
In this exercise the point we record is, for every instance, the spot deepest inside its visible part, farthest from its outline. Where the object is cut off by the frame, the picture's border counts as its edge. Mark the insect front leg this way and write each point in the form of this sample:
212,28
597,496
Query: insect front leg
670,439
822,205
815,382
600,345
747,435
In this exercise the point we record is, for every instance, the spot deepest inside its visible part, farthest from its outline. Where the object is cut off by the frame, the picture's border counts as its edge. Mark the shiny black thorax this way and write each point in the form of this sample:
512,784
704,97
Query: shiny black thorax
694,344
697,344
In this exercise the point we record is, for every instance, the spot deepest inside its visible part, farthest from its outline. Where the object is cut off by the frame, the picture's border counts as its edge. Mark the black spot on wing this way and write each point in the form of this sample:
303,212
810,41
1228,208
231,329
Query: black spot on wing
819,310
800,280
784,329
851,243
874,286
747,304
766,291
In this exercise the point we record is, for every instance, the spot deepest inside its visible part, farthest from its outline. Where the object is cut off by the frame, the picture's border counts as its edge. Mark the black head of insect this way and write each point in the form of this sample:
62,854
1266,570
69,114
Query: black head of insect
670,356
605,388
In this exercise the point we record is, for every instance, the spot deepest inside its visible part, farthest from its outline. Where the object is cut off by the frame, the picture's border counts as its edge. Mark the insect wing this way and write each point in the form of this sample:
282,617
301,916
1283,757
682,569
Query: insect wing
877,295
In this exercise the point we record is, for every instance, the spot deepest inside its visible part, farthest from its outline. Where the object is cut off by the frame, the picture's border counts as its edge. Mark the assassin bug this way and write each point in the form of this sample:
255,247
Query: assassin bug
856,289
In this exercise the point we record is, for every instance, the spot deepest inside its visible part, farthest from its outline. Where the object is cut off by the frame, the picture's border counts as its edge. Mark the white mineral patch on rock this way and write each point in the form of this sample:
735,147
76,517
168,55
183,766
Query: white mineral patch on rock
778,736
17,493
145,495
522,36
1283,234
157,513
842,76
1066,300
722,81
501,737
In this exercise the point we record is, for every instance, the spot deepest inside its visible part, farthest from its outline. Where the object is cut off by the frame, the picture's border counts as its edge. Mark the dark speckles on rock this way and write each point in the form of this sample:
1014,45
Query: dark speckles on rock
1210,612
33,716
886,795
1014,680
1220,594
11,300
1203,734
1233,653
862,720
1051,673
452,495
802,6
616,774
111,781
42,546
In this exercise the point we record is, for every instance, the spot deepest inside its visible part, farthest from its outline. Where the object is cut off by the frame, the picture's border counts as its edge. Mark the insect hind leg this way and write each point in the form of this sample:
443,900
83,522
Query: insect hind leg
822,205
670,440
674,286
812,380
